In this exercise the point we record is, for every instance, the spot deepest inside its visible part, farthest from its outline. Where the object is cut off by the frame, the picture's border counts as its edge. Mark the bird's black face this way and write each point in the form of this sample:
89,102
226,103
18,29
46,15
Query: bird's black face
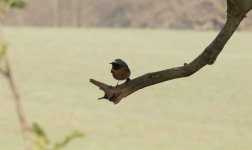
116,66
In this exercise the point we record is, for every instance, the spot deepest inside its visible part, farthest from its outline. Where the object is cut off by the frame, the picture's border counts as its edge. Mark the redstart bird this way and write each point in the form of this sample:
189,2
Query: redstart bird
120,70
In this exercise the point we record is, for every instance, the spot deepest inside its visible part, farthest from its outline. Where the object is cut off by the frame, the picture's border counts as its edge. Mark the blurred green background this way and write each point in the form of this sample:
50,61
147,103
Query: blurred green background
57,46
52,67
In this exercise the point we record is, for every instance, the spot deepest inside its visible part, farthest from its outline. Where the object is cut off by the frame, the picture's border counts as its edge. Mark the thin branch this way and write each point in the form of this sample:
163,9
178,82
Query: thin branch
3,72
236,11
18,105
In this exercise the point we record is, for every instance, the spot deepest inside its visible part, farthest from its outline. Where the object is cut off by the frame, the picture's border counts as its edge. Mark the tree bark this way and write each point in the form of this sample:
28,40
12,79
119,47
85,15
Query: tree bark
236,11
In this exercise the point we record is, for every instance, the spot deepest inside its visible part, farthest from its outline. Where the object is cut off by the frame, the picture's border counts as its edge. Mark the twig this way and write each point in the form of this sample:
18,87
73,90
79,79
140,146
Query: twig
2,72
18,105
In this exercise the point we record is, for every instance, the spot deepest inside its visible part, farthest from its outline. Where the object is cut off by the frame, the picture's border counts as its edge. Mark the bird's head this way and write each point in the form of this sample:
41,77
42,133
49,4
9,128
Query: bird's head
118,63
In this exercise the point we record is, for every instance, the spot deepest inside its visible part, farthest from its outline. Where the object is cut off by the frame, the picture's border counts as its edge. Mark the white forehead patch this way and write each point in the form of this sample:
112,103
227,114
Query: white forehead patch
117,61
120,62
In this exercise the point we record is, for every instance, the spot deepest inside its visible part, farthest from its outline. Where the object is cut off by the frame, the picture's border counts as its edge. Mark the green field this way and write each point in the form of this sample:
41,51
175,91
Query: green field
211,110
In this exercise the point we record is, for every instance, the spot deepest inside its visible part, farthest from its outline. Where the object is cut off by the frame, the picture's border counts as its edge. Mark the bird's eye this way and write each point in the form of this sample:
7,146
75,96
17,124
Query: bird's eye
116,66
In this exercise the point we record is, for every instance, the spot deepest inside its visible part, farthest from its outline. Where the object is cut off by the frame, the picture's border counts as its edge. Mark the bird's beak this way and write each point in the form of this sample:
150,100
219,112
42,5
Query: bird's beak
111,63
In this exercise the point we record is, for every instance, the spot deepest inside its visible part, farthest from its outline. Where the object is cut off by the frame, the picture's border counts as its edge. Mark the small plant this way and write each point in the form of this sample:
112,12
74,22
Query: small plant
42,142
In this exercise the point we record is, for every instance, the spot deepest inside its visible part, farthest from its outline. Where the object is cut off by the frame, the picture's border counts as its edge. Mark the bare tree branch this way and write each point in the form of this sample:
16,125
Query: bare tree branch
236,11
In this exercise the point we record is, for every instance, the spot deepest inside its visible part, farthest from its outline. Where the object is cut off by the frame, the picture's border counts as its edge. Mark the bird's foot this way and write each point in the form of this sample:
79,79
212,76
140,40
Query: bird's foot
127,80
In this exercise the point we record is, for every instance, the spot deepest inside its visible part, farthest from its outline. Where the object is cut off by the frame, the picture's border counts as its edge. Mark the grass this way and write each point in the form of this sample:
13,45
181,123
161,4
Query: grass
52,67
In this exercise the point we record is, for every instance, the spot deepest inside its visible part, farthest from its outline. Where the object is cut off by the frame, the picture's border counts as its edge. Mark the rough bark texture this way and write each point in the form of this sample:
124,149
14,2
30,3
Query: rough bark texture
236,11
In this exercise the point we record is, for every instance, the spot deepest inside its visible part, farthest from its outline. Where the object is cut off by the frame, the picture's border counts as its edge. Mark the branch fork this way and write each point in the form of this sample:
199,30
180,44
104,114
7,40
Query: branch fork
112,93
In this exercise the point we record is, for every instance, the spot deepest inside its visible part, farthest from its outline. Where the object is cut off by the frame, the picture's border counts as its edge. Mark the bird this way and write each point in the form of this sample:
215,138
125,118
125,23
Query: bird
120,70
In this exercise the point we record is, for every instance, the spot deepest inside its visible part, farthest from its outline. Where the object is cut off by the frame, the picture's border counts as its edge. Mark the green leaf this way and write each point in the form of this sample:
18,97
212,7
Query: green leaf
3,50
41,142
17,3
12,3
39,133
68,139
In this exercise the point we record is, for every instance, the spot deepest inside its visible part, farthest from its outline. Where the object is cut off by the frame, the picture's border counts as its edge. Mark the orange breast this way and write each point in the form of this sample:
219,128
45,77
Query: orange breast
121,74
